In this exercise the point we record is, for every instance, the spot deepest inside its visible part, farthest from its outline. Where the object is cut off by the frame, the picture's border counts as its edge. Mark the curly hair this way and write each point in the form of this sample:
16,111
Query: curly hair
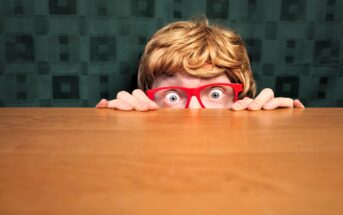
189,45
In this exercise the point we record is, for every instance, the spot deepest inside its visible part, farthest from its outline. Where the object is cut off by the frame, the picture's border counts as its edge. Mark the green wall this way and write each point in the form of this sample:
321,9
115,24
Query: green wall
74,52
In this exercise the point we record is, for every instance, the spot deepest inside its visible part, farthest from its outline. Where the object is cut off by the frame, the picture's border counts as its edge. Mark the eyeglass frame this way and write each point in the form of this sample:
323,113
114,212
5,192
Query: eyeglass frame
190,92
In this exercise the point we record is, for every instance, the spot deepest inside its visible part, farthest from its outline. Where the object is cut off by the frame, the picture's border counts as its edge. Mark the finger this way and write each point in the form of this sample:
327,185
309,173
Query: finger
297,104
119,105
241,104
263,98
279,102
133,101
102,104
140,95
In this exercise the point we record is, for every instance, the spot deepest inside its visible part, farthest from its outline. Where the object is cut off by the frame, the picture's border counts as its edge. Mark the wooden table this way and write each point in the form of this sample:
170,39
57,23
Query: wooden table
92,161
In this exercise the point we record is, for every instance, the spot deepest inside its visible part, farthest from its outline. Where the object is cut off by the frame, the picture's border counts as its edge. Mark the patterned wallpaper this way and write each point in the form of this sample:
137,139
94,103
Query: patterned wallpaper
74,52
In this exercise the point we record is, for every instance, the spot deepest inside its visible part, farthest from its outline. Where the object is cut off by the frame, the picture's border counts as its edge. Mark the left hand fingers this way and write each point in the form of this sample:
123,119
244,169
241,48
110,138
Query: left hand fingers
102,104
278,102
263,98
241,104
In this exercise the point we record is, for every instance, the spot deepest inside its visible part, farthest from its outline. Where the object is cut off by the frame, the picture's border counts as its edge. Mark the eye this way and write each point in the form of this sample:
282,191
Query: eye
216,93
172,97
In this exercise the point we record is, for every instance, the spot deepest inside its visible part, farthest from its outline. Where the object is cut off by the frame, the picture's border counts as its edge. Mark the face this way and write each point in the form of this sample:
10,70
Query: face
211,96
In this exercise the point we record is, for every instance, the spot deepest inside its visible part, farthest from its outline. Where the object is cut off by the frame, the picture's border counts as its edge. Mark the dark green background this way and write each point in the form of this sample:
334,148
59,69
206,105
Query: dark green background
74,52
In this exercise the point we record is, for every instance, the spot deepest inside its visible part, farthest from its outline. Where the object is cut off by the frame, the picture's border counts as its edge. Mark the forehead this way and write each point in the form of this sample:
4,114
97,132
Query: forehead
187,80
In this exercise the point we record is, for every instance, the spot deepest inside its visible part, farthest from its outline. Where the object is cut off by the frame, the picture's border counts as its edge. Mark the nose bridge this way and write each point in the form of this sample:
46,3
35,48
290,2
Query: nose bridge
194,103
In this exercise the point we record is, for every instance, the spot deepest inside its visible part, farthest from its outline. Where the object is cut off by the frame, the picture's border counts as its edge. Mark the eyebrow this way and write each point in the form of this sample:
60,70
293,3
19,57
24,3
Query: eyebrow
171,80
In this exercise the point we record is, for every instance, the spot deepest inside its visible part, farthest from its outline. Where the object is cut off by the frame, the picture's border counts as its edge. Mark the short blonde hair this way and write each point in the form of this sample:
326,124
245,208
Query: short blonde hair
189,45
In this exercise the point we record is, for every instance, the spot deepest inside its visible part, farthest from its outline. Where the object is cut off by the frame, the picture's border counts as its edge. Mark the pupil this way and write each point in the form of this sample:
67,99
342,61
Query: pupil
172,98
215,95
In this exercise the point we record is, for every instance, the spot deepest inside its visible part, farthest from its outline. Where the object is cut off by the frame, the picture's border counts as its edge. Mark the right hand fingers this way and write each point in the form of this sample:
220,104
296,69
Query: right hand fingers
119,105
140,95
138,100
115,104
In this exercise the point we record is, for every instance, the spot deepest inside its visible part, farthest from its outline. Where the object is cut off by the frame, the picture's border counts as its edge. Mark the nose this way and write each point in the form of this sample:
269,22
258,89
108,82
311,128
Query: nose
194,103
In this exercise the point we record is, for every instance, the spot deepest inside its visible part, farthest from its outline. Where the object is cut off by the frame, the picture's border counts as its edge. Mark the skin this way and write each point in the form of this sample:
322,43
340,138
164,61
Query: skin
138,100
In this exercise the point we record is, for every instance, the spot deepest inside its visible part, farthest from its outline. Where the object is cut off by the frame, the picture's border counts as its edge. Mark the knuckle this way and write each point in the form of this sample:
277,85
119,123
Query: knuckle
269,91
257,101
289,101
120,94
114,104
141,104
248,101
241,102
136,92
122,105
284,100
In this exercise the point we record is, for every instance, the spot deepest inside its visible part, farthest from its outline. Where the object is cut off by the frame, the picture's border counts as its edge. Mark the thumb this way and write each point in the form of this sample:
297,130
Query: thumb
102,104
297,104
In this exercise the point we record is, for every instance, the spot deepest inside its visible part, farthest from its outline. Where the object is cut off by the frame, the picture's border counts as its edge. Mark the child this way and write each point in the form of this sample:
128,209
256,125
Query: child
191,64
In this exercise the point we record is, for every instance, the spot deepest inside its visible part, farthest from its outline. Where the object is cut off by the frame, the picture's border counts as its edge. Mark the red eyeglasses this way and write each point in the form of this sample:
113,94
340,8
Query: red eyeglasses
216,95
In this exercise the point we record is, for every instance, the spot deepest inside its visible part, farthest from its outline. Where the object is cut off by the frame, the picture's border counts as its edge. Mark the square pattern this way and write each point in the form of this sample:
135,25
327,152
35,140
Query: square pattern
102,48
143,8
293,10
62,7
287,86
74,52
326,52
217,9
19,48
65,87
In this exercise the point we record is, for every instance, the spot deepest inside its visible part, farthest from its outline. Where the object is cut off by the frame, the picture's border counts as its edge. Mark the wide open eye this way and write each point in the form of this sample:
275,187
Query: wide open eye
217,96
216,93
172,97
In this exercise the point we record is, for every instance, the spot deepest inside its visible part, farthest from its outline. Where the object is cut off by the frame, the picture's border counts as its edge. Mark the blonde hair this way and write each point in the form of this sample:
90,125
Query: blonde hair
188,46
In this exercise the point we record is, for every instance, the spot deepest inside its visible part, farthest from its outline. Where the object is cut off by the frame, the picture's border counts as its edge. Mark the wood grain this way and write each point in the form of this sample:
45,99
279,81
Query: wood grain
91,161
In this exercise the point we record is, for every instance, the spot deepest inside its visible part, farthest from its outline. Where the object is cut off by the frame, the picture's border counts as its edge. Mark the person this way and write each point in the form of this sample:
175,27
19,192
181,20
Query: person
192,64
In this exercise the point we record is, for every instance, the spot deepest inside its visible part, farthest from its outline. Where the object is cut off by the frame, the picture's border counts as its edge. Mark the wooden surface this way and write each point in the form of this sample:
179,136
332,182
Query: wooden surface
90,161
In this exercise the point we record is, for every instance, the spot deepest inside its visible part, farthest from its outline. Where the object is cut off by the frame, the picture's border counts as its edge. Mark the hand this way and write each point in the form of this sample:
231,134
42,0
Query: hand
265,100
126,101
